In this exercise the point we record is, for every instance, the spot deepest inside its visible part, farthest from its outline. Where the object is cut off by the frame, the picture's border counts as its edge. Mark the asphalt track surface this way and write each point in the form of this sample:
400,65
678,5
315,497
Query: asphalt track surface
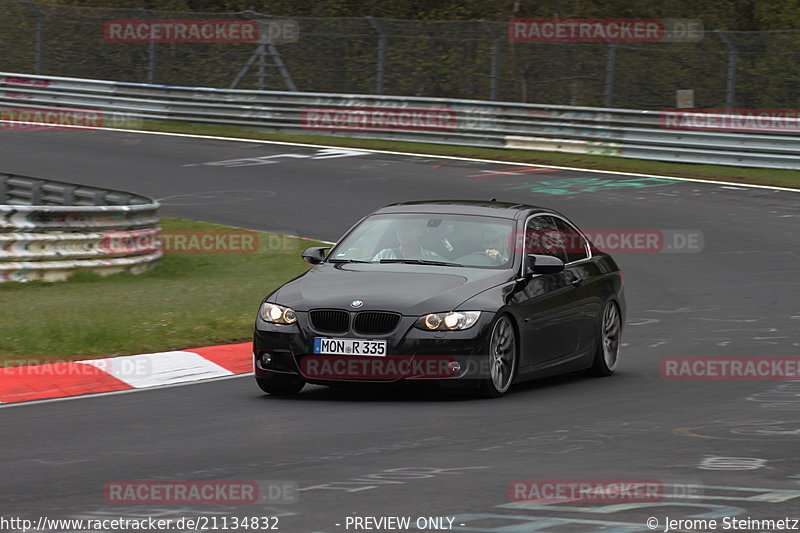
415,453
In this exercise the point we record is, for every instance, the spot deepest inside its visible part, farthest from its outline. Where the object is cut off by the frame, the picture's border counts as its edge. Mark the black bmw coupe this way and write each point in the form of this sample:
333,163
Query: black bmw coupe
466,293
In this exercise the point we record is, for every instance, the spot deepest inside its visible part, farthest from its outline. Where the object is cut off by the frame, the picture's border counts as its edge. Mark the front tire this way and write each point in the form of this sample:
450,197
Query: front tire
502,359
607,354
281,385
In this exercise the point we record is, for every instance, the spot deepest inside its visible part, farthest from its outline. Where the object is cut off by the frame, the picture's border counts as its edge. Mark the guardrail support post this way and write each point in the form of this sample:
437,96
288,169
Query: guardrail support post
380,62
99,198
733,57
68,195
36,193
494,61
611,66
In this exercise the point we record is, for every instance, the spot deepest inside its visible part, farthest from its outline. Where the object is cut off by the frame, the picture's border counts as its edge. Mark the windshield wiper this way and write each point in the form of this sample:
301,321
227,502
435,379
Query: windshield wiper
348,261
420,262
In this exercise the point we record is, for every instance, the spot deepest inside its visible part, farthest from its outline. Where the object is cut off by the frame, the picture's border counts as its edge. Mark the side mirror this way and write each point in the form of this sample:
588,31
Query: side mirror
314,255
542,264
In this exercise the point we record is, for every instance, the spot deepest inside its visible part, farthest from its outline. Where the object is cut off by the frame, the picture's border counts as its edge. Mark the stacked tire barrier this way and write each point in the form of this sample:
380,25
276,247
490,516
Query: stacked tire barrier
50,229
698,136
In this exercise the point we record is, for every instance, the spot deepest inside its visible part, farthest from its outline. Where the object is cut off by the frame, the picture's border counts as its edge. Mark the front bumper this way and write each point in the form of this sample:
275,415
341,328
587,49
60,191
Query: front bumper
411,353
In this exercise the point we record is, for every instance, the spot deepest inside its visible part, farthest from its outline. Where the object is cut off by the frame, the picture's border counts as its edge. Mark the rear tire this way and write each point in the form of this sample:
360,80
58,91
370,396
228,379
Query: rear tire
502,359
606,356
281,385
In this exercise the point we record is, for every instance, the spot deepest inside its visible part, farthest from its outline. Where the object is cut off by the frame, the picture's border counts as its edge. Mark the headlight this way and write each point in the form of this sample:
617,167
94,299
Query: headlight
454,320
277,314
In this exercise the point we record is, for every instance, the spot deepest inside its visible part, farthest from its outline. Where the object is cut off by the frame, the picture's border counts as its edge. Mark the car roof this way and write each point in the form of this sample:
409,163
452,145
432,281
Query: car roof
462,207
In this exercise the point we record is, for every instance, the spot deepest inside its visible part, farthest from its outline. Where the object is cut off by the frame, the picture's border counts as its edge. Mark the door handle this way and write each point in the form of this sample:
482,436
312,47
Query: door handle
577,282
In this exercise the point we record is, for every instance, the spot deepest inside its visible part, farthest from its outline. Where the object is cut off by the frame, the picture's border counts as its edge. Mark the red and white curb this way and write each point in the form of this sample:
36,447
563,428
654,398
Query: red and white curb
58,380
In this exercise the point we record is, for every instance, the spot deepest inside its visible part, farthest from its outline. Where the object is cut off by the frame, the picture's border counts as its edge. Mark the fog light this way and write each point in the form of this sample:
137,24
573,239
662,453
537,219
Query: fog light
266,359
454,367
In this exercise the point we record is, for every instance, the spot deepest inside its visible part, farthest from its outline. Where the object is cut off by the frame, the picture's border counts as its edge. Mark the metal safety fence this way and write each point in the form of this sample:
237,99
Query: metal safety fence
51,229
679,136
362,55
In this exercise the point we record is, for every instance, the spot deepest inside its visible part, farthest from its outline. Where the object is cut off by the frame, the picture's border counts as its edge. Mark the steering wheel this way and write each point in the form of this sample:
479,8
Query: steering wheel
476,259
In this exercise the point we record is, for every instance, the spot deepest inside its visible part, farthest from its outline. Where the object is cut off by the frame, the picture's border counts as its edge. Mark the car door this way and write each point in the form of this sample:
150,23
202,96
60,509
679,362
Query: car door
550,305
580,264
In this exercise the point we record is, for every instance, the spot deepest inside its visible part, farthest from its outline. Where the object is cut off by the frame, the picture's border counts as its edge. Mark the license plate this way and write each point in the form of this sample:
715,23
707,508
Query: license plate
324,346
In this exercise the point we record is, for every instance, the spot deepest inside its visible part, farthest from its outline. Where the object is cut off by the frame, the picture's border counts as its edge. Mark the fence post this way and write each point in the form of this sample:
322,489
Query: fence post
494,63
380,65
262,54
39,38
151,53
611,66
733,57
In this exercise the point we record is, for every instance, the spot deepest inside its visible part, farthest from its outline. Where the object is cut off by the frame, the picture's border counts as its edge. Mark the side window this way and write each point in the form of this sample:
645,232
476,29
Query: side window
543,237
573,241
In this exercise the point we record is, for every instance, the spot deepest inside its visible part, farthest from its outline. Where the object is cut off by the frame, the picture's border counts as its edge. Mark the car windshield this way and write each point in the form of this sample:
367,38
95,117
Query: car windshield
434,239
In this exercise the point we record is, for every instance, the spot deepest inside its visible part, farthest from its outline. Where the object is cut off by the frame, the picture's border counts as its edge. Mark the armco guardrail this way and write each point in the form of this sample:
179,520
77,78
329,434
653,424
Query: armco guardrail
51,229
614,132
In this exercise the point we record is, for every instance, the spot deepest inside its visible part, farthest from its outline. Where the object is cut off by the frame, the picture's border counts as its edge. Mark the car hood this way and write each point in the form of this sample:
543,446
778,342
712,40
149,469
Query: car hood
408,289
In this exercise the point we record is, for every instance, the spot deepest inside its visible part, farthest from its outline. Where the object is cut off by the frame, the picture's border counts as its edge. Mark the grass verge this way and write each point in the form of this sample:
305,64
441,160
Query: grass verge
188,300
758,176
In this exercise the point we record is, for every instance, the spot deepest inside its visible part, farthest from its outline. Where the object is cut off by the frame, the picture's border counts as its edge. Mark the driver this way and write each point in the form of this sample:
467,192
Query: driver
408,233
495,247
